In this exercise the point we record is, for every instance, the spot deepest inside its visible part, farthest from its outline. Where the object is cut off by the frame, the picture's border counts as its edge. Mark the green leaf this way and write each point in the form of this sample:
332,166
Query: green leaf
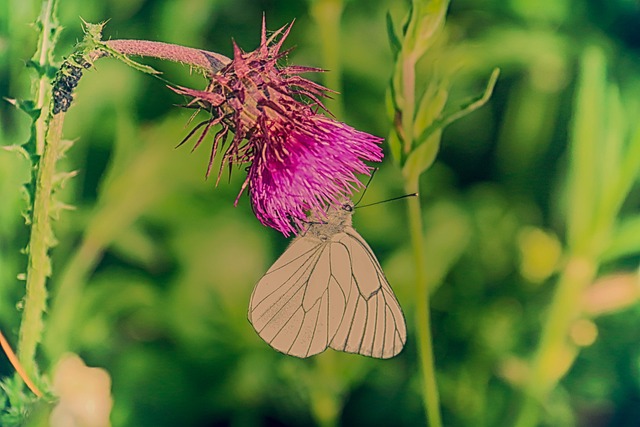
407,19
422,157
393,112
130,62
391,100
395,145
26,105
627,176
463,110
587,132
426,22
430,107
394,41
17,403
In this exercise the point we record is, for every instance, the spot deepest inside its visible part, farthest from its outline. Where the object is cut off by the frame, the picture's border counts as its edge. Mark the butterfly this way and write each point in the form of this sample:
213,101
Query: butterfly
328,290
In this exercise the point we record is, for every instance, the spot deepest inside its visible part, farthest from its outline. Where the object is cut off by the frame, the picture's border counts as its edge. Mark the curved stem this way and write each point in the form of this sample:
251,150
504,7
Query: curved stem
208,61
423,316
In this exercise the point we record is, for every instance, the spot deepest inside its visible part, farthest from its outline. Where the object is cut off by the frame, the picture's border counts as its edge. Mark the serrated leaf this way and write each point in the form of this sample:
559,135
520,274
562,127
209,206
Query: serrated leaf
394,40
41,70
93,31
26,105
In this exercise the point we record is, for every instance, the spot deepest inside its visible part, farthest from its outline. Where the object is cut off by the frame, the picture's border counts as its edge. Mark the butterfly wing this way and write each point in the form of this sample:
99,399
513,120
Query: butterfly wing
373,323
298,305
328,293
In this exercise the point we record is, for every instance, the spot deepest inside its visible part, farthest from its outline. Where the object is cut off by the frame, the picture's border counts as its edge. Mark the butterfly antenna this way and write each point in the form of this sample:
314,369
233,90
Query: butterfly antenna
389,200
366,187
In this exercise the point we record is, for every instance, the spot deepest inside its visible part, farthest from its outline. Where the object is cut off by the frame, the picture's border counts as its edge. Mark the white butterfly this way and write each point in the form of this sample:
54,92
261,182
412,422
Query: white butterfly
328,290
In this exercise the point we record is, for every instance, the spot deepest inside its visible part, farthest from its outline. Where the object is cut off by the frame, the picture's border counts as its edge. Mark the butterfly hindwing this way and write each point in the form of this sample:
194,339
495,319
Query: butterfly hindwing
373,324
276,300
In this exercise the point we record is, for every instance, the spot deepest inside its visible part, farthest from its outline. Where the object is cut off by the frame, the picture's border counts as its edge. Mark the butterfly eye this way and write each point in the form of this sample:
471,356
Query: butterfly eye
347,207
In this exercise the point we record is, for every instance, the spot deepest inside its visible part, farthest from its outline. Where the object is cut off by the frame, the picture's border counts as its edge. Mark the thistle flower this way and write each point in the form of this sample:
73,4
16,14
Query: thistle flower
299,161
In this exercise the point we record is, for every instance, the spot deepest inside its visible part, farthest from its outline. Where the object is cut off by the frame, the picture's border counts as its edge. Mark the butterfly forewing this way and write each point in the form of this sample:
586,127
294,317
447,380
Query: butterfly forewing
328,292
276,302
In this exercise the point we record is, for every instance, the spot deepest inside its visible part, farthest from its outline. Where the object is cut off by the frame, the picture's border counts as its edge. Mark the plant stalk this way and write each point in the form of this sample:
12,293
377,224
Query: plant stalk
47,137
423,316
40,240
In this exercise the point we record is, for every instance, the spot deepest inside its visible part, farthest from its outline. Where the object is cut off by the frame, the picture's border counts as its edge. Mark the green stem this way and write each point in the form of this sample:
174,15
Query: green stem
423,315
49,23
47,136
39,265
576,276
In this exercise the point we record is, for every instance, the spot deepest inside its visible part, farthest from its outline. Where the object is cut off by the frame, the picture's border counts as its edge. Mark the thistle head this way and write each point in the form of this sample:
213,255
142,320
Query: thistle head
298,160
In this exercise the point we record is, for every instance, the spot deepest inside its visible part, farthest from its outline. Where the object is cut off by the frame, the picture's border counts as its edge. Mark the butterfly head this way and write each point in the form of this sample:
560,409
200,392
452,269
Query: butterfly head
336,219
341,215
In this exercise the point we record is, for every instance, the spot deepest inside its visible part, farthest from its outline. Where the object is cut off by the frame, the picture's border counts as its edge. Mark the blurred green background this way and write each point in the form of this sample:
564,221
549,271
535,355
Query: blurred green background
155,266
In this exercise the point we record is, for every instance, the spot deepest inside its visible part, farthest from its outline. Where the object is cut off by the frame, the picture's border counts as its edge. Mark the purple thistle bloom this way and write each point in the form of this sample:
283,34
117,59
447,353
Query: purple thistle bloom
300,162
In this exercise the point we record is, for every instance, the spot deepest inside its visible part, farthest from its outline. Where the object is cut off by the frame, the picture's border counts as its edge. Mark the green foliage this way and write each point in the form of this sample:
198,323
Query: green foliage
154,267
15,404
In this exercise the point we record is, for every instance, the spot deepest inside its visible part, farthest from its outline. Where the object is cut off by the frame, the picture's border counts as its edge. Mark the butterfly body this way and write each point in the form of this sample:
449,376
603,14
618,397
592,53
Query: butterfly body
328,290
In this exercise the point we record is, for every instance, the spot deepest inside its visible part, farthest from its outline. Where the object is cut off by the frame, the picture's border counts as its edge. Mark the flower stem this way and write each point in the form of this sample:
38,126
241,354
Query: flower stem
209,62
577,274
423,315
